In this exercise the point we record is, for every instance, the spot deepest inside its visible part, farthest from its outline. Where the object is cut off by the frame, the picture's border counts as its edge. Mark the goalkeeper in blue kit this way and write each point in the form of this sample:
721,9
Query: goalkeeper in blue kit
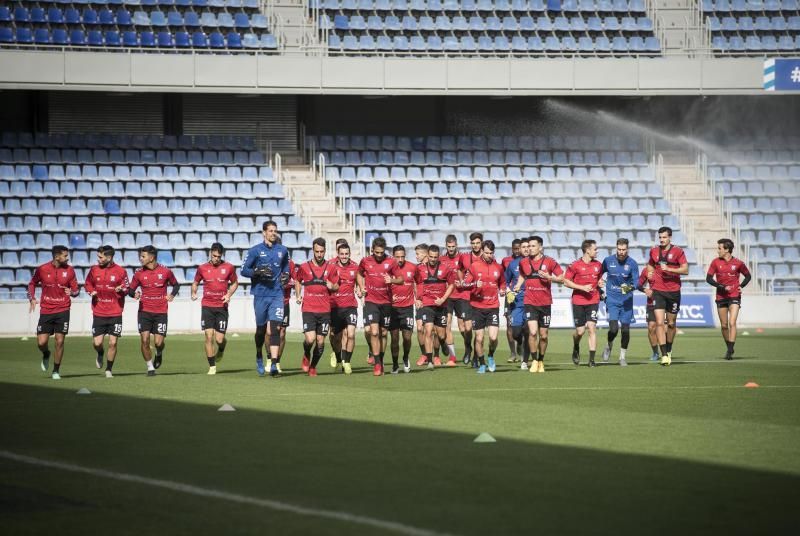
622,275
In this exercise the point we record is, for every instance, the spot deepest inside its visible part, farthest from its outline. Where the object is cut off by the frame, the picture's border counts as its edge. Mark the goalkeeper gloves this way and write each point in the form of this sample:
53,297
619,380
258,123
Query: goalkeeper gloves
284,278
510,297
263,272
625,288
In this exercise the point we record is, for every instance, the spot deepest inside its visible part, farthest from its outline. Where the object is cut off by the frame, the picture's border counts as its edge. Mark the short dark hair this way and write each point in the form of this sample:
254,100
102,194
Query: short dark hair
267,224
340,247
58,250
622,241
665,229
525,239
727,244
340,241
379,242
398,248
586,244
476,236
516,242
319,241
423,247
488,244
149,249
433,248
450,238
536,238
219,248
106,251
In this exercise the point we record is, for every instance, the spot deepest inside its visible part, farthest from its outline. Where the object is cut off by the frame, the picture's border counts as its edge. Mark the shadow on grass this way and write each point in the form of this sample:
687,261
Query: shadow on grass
421,477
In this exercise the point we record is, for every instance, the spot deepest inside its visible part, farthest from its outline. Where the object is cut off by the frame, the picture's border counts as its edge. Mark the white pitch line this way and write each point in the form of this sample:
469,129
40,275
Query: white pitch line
224,495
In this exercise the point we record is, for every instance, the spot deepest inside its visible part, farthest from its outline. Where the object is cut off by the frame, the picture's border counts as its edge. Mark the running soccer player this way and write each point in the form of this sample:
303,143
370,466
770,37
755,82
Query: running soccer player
421,253
313,282
344,309
219,285
59,286
373,280
583,277
460,300
669,264
515,309
622,278
403,298
153,279
435,283
267,266
644,277
537,273
287,295
107,284
726,269
514,350
334,337
485,279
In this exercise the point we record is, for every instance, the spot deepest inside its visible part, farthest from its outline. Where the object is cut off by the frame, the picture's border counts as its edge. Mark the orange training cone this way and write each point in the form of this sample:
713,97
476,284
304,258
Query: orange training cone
751,385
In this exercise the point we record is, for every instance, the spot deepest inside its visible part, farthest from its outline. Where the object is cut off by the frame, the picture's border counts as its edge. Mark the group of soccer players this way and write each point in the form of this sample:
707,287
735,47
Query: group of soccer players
397,295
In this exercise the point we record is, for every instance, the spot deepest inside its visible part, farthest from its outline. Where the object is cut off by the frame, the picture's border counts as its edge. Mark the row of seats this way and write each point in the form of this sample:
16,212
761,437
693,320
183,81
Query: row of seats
759,188
123,17
483,174
750,173
154,142
766,238
90,172
755,43
132,39
747,24
458,190
132,156
476,23
234,4
505,206
125,225
484,158
496,6
103,190
553,142
748,6
775,254
764,205
767,221
145,206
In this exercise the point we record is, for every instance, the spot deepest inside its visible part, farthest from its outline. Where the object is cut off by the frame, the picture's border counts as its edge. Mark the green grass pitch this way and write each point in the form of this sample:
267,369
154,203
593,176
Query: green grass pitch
637,450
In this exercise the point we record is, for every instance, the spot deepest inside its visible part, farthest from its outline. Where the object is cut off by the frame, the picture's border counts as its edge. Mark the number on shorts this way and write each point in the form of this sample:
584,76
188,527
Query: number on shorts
353,318
279,312
494,319
325,327
546,320
594,315
161,328
410,322
222,324
66,326
117,328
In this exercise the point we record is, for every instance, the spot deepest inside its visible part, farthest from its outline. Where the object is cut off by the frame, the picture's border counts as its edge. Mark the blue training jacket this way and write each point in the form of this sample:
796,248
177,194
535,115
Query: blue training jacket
277,257
619,273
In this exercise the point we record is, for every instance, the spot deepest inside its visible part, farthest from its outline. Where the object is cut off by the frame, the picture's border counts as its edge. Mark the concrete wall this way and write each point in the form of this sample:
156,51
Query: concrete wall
300,74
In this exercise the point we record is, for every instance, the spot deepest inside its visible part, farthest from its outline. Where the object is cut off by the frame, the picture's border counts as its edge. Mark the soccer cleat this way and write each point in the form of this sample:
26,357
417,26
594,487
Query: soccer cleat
377,370
513,359
467,357
481,369
333,360
99,361
421,361
606,353
212,370
157,361
451,362
312,372
622,362
370,360
348,369
278,366
45,363
592,363
56,376
151,373
576,357
524,366
654,357
475,363
395,369
108,374
492,367
430,365
306,364
540,368
273,370
437,361
406,367
729,356
666,360
260,366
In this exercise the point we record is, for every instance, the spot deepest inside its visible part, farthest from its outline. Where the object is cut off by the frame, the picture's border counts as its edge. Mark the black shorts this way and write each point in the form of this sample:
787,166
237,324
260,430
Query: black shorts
317,322
484,318
538,313
460,309
402,318
107,325
377,313
215,318
53,323
727,302
651,314
153,322
286,311
341,317
669,301
434,315
581,314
